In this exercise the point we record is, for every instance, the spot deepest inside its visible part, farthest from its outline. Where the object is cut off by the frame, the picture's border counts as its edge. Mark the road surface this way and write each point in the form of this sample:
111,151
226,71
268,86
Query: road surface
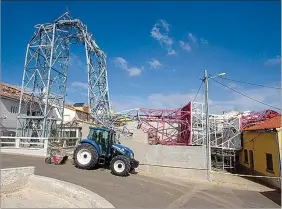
142,191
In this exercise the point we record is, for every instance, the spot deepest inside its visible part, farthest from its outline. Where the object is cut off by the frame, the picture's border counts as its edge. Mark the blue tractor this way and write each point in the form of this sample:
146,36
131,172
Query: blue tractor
102,148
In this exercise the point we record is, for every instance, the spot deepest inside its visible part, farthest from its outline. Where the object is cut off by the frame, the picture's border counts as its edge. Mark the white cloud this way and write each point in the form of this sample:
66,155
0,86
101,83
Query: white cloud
184,46
232,85
239,102
119,61
162,101
165,25
236,102
273,61
154,63
79,84
134,71
134,85
162,37
204,41
123,64
192,38
171,52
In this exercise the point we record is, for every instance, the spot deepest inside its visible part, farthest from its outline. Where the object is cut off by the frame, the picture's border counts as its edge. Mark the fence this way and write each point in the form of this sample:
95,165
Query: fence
35,145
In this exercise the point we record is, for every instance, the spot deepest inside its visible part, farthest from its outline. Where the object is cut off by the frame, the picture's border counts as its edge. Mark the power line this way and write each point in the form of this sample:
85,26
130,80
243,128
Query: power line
271,87
245,95
198,91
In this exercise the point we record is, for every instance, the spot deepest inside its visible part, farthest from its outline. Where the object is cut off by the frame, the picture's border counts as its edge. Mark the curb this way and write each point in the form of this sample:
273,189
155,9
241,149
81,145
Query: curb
14,179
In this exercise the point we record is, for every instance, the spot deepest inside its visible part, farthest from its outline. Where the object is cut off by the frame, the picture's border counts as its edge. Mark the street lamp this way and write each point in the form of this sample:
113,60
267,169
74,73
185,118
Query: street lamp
208,142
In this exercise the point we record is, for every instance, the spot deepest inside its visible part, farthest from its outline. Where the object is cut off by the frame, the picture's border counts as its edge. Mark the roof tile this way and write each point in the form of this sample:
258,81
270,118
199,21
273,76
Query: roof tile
272,123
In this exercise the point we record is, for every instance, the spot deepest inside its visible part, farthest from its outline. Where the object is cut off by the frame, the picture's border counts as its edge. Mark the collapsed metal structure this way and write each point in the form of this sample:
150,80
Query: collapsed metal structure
45,77
43,92
187,127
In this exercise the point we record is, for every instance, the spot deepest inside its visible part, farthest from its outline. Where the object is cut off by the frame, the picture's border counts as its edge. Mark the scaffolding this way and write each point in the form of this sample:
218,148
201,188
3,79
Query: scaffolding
45,77
186,126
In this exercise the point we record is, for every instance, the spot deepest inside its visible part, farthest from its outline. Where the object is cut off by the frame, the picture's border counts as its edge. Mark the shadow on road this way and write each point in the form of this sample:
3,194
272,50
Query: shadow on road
274,196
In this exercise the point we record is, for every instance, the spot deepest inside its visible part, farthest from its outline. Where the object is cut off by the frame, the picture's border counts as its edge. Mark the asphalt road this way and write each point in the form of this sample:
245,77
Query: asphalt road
141,191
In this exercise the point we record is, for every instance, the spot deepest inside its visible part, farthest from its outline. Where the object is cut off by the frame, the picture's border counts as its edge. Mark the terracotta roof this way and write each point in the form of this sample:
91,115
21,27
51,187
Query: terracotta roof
13,92
10,91
267,124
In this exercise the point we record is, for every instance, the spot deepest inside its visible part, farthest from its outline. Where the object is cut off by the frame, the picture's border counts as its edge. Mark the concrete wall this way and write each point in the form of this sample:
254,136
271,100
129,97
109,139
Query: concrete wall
177,161
138,134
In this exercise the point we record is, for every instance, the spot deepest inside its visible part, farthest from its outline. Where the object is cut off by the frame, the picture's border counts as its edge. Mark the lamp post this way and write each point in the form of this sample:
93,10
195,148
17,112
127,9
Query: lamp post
208,142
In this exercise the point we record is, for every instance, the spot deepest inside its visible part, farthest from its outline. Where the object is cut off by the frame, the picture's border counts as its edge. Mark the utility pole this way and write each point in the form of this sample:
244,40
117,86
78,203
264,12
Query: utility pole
208,143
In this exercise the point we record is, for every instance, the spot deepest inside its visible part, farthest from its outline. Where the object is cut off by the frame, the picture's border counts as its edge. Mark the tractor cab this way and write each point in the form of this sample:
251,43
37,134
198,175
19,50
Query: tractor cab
103,137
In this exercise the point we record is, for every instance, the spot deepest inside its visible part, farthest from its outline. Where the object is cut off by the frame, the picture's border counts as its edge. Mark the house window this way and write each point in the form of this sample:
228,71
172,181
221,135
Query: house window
269,163
72,133
14,109
246,157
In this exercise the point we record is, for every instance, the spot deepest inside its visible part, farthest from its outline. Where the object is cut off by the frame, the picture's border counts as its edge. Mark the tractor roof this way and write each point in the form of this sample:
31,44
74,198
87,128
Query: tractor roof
100,128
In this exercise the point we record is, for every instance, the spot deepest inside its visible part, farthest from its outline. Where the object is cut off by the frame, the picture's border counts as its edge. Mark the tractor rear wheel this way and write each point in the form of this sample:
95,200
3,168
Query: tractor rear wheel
120,165
85,156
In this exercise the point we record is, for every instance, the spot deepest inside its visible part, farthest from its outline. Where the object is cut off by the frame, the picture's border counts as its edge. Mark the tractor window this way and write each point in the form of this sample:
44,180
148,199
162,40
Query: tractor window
105,135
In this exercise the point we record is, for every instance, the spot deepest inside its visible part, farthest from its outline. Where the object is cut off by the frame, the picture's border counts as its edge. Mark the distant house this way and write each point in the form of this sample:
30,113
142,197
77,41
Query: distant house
261,153
72,112
74,115
10,96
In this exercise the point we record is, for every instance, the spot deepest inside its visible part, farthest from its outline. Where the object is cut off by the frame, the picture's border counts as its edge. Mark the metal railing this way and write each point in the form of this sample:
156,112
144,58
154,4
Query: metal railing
37,142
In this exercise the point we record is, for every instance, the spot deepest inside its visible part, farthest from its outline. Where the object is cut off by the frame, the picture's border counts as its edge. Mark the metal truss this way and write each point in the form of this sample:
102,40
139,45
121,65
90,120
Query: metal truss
257,117
45,77
167,127
224,130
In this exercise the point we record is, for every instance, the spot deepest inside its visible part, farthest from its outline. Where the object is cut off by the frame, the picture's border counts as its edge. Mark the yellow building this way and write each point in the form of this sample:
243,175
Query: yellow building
261,153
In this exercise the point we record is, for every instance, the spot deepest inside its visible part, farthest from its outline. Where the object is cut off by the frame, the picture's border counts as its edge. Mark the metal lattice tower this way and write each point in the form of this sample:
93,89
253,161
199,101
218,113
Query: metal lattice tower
44,80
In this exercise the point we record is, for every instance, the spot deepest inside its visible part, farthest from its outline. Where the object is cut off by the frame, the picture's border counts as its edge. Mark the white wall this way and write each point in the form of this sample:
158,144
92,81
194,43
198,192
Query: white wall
69,114
10,121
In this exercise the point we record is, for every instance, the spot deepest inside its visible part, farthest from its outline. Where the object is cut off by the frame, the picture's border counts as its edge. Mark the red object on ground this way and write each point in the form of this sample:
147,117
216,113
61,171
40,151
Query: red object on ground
57,159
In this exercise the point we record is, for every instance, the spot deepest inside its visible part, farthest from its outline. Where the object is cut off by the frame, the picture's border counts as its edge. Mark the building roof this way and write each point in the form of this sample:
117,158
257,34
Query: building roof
71,107
271,123
11,92
78,104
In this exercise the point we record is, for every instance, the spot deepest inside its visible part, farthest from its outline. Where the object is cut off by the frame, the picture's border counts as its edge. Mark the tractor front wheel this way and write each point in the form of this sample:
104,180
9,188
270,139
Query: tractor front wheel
85,156
120,165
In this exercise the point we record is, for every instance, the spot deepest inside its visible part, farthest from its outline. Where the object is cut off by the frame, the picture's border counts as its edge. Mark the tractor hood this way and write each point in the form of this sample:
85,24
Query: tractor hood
123,147
120,148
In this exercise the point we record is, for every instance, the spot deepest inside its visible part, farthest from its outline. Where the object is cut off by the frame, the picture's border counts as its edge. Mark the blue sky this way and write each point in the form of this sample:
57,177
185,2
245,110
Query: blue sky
157,51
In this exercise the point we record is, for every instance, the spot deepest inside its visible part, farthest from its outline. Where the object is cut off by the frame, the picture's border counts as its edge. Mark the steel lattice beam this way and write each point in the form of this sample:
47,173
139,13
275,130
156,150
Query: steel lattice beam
45,77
